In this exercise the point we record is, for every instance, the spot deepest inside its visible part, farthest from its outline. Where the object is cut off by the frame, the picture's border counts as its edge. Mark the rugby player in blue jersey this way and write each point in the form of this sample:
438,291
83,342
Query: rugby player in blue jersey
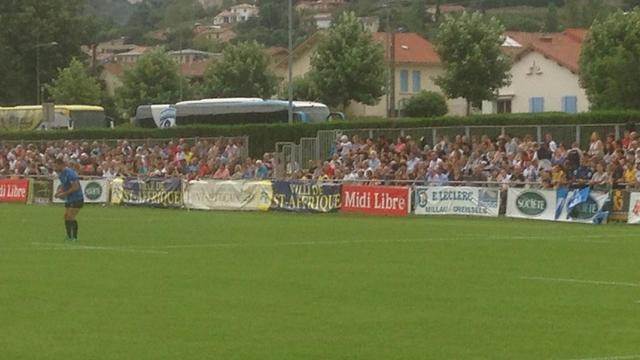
71,192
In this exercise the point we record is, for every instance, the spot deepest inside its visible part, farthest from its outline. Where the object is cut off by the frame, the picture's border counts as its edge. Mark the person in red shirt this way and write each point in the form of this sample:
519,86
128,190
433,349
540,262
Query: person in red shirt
203,169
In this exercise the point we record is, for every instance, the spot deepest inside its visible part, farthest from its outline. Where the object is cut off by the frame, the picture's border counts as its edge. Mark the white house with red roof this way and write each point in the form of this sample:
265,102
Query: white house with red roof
415,65
544,74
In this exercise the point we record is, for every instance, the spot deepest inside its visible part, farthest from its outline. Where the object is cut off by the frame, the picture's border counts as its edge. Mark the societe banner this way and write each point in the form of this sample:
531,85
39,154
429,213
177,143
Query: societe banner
305,196
531,204
14,190
376,200
457,200
228,195
94,191
156,192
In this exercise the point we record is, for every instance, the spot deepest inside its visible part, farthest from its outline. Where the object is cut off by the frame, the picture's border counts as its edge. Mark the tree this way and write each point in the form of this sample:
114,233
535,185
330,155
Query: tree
426,104
153,80
610,61
243,71
303,89
551,22
27,23
74,85
348,65
470,47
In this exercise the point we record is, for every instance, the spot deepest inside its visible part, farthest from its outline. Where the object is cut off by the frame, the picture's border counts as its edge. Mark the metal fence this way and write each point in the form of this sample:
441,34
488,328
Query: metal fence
295,156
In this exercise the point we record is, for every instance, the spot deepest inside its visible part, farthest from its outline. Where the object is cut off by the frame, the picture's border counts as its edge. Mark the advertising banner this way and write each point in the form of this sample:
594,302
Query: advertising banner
95,191
619,205
14,190
40,191
117,189
228,195
457,200
305,196
581,205
574,205
634,208
156,192
376,200
531,203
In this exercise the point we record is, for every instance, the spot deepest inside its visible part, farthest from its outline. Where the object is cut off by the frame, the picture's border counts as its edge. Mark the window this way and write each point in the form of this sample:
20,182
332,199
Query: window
570,104
504,106
536,104
404,81
417,86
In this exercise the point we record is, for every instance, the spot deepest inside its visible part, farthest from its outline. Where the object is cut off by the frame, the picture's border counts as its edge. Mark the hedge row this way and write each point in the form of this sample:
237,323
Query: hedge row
262,137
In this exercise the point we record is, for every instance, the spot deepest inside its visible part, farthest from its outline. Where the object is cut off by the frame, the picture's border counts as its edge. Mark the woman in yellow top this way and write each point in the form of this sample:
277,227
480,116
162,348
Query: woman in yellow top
557,176
630,175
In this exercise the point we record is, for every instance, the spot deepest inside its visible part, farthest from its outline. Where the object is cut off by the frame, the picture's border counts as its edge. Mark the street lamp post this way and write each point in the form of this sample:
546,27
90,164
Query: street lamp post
38,89
290,65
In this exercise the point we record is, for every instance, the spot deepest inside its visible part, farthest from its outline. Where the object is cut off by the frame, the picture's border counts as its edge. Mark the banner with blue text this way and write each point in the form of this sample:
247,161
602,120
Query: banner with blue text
305,196
156,192
457,200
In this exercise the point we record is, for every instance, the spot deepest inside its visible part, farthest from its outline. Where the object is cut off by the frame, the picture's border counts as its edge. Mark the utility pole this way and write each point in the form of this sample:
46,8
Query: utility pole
290,63
38,87
392,66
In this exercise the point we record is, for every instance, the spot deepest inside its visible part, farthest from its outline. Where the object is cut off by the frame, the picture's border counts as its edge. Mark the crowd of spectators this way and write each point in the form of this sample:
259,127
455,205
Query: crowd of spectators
504,161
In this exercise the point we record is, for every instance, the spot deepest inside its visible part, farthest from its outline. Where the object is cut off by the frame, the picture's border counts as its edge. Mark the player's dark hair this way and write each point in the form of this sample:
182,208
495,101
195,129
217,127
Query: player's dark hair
58,161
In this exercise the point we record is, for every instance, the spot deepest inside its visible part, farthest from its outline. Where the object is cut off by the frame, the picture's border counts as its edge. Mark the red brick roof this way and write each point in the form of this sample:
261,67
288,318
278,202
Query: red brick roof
410,48
564,47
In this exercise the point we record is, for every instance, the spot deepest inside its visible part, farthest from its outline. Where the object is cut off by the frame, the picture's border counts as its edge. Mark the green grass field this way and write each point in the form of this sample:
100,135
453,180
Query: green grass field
174,284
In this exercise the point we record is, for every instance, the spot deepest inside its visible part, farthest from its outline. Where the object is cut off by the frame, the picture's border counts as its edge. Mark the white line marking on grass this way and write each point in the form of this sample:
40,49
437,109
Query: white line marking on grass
578,281
622,357
56,246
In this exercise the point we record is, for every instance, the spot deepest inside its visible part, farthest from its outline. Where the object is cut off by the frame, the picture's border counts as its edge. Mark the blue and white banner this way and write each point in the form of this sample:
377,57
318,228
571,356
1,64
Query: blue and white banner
95,191
457,200
563,204
305,196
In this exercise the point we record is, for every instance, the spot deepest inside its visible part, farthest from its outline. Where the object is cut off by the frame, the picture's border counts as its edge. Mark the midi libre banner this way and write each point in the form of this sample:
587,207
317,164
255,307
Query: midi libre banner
457,200
228,195
305,196
14,190
376,200
95,191
572,205
157,192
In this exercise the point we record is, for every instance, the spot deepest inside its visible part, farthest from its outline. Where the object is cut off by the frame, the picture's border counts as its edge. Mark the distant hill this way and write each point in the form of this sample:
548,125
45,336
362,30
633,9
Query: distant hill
117,11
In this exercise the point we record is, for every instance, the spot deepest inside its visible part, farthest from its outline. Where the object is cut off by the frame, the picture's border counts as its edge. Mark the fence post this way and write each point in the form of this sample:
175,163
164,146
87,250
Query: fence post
402,132
578,135
617,131
502,131
434,136
467,131
539,133
370,133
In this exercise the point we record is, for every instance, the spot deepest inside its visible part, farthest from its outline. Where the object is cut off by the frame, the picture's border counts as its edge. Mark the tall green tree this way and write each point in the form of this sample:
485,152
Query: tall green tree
348,65
243,71
23,25
74,85
610,61
470,47
153,80
551,23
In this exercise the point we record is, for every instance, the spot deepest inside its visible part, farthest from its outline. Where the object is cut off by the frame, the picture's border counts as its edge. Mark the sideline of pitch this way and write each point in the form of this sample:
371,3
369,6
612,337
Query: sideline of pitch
580,281
59,246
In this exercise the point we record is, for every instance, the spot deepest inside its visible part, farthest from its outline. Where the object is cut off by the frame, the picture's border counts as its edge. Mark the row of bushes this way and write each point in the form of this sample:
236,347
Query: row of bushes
262,137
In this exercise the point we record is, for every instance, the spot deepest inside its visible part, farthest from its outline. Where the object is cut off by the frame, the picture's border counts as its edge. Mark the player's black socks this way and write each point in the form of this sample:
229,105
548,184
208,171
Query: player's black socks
74,229
68,225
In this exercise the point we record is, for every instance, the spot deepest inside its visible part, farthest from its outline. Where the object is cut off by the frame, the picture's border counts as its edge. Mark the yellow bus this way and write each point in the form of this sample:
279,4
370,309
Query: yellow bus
65,117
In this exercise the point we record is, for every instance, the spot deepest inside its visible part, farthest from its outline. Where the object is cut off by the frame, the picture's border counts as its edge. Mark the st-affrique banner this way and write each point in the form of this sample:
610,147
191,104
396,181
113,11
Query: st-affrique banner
95,191
228,195
376,200
156,192
634,208
454,200
40,191
305,196
14,190
572,205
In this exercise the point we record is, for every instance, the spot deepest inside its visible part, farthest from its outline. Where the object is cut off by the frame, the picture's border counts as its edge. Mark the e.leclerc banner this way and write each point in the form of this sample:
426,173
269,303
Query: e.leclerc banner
305,196
40,191
376,200
634,208
454,200
95,191
531,204
228,195
157,192
14,190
